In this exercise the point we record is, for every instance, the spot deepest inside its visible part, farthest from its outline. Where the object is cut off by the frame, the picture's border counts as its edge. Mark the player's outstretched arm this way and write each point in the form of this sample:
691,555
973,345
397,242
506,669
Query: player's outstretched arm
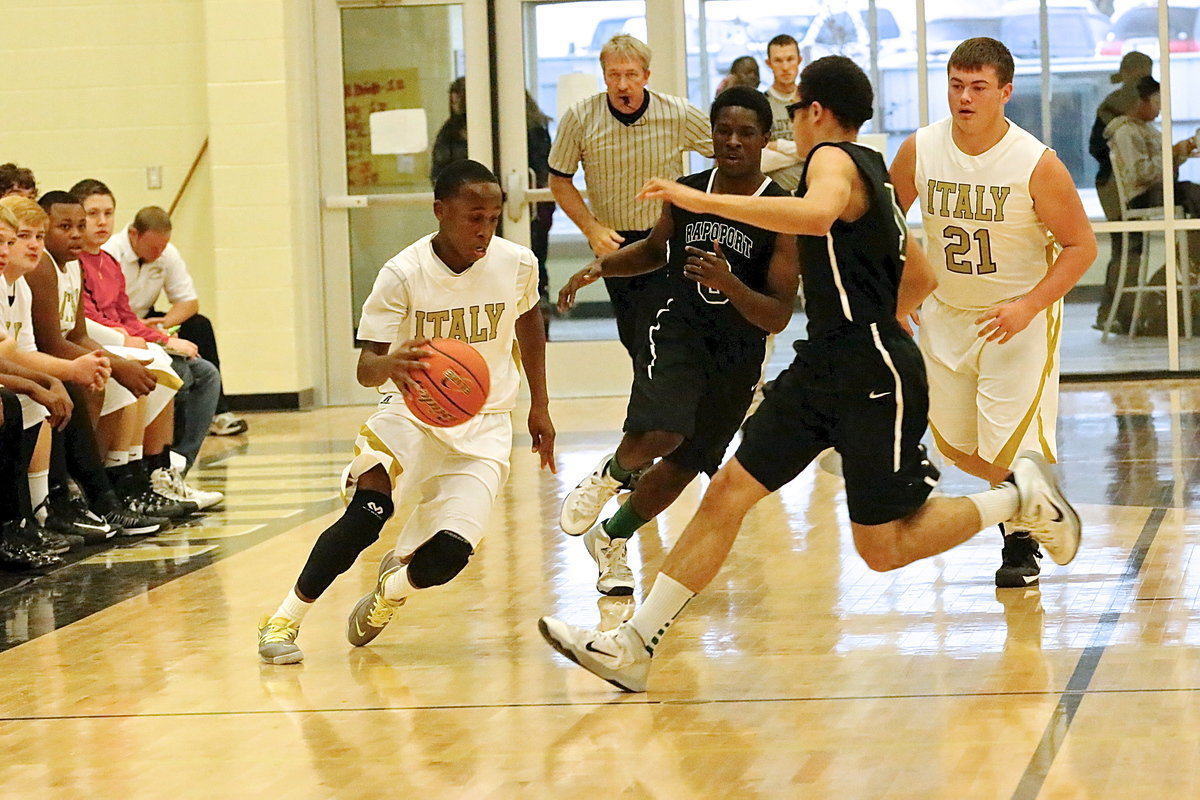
904,173
639,258
830,182
376,365
531,339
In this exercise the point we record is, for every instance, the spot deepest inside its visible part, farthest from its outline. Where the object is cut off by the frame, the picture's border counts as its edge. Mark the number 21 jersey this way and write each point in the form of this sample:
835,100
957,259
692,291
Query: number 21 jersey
982,235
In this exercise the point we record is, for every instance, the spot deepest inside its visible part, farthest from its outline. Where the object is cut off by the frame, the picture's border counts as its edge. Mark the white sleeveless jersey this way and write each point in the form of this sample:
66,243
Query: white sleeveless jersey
16,312
417,295
983,239
70,285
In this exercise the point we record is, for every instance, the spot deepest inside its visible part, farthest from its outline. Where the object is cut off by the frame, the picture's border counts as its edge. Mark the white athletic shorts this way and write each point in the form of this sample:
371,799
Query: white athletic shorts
116,397
997,399
31,413
158,361
454,475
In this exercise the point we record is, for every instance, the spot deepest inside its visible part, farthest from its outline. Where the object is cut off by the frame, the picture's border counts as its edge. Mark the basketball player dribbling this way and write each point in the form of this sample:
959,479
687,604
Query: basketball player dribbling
857,384
1008,236
466,283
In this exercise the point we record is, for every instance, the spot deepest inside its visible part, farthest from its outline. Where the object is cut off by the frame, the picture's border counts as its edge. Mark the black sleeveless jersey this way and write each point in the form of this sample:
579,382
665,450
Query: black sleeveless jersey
747,248
851,275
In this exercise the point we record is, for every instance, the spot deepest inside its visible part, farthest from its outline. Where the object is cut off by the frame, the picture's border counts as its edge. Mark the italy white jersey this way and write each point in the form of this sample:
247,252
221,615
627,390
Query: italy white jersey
417,295
16,312
70,286
986,244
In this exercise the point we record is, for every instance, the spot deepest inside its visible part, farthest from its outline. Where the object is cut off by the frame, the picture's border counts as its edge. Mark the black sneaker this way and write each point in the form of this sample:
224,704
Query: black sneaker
1018,561
131,523
70,516
17,555
36,541
152,504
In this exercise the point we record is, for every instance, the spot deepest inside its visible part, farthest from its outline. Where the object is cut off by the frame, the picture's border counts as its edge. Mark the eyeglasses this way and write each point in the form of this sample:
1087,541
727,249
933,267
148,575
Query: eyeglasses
799,105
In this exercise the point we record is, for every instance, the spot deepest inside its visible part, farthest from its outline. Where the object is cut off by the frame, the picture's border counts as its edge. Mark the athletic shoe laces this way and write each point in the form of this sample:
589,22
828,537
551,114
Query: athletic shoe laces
381,611
279,630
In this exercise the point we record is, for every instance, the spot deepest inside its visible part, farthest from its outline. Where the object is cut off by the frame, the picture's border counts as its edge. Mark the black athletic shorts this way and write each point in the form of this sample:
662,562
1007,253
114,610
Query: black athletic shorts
861,390
695,383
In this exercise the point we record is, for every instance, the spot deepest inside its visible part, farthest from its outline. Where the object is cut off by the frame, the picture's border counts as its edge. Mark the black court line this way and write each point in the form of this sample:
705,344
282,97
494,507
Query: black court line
618,699
1038,769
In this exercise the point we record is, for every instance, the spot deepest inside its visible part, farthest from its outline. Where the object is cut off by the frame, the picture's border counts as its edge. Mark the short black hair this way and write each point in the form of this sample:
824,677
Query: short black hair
57,197
88,187
459,173
743,97
1147,87
840,85
983,51
782,40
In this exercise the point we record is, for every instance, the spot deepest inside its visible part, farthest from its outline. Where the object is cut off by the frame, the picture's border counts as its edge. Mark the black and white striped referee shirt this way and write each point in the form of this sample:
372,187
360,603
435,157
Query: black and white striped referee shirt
620,153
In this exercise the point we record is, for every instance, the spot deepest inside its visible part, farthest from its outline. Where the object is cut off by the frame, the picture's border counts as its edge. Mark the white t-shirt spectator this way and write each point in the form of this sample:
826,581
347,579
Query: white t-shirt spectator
145,282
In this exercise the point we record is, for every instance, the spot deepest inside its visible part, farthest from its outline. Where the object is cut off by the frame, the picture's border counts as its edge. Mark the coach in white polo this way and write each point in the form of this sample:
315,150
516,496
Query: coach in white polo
623,137
153,266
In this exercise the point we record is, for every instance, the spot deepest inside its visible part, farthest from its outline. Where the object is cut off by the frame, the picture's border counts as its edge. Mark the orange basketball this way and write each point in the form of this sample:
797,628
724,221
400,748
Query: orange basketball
453,386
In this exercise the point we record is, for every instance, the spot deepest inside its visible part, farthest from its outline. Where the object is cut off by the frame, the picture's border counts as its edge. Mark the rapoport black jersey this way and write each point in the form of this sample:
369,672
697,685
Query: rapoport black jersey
747,248
851,276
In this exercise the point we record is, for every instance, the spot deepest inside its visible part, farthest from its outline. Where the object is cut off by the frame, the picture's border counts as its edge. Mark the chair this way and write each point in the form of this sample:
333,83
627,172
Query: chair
1141,285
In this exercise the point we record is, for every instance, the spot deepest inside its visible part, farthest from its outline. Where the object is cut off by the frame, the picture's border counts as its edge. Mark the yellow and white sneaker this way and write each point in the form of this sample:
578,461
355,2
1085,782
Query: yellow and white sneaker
277,641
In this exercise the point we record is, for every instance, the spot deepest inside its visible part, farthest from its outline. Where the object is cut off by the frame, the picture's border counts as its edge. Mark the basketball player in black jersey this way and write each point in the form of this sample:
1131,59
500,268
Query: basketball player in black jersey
857,384
728,285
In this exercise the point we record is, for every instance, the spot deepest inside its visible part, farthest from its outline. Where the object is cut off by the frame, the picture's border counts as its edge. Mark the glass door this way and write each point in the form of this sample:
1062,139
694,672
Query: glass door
395,82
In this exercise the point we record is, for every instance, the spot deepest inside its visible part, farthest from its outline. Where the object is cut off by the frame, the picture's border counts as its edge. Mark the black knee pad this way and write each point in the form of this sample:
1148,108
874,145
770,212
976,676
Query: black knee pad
439,560
338,547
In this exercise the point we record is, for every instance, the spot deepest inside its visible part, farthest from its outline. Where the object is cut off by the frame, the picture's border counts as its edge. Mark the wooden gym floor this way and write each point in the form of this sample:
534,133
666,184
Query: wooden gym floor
798,674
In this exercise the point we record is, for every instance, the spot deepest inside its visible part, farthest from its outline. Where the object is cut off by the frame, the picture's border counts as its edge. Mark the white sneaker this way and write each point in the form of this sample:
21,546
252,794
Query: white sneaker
170,484
616,579
583,505
226,424
1044,511
618,656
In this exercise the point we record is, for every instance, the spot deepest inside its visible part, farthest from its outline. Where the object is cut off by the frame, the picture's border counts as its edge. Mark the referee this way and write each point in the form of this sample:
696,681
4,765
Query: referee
623,137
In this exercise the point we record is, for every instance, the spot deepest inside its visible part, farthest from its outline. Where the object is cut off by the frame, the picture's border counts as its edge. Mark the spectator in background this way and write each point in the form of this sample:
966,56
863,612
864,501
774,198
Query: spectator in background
1137,143
17,180
742,72
780,160
151,266
623,137
450,145
1134,67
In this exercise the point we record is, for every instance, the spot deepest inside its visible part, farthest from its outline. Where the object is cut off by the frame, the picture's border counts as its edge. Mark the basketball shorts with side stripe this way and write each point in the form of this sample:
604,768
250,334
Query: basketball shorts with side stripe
861,390
695,383
452,475
997,399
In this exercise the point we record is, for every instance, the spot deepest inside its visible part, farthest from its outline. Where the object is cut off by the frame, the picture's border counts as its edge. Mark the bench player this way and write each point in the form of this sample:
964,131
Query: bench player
489,285
728,285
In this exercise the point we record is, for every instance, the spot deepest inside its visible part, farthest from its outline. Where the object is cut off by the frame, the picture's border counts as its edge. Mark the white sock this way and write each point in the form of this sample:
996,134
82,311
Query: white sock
662,605
397,585
116,458
996,505
293,608
39,488
135,452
